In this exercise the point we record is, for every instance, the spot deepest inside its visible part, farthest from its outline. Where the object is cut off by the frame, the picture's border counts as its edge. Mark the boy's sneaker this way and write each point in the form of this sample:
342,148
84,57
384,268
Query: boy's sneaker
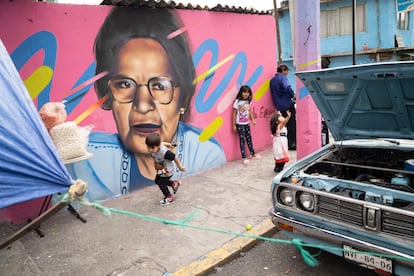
167,200
176,185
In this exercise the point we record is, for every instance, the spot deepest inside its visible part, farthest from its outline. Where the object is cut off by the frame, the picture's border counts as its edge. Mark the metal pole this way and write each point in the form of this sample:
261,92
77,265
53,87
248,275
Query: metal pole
353,32
279,45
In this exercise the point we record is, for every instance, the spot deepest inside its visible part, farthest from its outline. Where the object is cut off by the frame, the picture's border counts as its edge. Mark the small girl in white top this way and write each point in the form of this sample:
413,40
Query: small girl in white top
280,142
241,118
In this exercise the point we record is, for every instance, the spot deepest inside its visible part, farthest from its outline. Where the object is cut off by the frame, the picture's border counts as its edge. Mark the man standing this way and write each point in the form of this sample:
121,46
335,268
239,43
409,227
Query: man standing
284,99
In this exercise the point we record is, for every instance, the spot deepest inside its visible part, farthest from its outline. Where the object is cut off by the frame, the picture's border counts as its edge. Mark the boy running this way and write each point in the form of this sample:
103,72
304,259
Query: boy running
163,160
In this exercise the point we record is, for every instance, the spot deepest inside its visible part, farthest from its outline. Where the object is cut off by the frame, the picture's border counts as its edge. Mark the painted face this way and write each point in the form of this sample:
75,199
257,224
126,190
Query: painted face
139,61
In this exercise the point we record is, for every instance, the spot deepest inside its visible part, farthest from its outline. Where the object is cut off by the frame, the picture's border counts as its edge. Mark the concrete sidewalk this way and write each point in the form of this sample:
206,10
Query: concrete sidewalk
149,239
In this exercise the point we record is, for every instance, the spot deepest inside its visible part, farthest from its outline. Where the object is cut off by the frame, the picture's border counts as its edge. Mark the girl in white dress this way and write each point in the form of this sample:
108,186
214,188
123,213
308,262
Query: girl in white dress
280,142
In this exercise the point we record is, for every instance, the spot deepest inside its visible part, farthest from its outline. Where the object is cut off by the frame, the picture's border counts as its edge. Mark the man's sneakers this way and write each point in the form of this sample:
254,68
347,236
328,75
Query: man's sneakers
176,185
167,200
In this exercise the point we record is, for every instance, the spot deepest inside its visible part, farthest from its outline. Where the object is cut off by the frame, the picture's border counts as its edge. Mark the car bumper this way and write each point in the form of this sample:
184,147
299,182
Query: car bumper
310,234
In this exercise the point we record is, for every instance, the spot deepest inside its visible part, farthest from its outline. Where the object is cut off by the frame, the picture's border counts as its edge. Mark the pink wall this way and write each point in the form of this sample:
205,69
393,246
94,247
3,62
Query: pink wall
64,35
52,48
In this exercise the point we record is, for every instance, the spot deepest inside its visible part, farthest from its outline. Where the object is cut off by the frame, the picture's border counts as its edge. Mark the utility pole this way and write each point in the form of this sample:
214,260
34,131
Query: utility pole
279,45
353,32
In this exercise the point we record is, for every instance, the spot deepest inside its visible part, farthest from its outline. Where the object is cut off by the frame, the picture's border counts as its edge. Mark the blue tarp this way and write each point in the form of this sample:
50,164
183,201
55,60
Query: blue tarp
30,166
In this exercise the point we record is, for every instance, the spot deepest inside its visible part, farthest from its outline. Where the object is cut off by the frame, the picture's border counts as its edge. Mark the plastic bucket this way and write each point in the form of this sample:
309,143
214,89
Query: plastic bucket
409,165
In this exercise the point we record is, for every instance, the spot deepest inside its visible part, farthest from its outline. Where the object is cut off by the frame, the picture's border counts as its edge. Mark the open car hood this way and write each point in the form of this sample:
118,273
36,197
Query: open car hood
365,101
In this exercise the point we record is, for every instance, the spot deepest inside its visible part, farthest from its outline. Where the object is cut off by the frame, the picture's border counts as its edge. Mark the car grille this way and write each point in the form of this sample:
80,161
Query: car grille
341,210
398,224
392,223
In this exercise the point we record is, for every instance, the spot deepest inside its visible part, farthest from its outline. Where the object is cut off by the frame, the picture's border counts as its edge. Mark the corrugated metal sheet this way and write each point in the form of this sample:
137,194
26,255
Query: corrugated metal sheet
174,5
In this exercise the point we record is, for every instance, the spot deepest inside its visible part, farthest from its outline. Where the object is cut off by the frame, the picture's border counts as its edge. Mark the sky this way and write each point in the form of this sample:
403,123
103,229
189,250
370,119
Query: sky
256,4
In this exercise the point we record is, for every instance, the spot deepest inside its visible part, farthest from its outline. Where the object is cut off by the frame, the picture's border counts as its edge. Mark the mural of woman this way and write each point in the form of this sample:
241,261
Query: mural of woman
149,89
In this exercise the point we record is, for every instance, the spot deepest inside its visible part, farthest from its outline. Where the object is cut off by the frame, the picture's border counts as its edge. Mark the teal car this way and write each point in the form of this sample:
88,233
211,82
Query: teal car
354,197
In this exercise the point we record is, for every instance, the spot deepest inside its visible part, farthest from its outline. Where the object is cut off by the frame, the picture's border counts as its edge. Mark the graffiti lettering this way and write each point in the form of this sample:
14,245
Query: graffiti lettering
263,113
266,112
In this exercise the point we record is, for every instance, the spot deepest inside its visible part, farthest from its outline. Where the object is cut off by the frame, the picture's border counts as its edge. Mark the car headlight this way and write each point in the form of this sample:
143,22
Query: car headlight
306,201
286,196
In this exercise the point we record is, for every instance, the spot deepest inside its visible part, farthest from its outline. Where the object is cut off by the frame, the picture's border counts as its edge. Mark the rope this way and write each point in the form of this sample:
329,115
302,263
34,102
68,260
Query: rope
78,189
307,256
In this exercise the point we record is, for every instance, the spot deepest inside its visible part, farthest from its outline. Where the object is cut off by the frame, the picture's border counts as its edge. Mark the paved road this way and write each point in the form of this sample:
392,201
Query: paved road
141,240
273,259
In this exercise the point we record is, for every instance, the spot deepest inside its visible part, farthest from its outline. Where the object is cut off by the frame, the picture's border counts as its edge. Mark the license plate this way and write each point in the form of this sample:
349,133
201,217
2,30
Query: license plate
368,261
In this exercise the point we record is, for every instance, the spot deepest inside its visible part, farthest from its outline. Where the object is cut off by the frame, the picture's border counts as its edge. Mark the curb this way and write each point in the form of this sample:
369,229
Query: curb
227,251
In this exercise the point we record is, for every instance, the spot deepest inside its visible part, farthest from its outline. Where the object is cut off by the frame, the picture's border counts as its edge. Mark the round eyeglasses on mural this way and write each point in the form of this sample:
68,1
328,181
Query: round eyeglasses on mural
124,90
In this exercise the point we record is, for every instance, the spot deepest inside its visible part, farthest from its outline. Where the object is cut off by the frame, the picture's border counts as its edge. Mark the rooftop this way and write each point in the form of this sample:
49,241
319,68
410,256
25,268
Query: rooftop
178,5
